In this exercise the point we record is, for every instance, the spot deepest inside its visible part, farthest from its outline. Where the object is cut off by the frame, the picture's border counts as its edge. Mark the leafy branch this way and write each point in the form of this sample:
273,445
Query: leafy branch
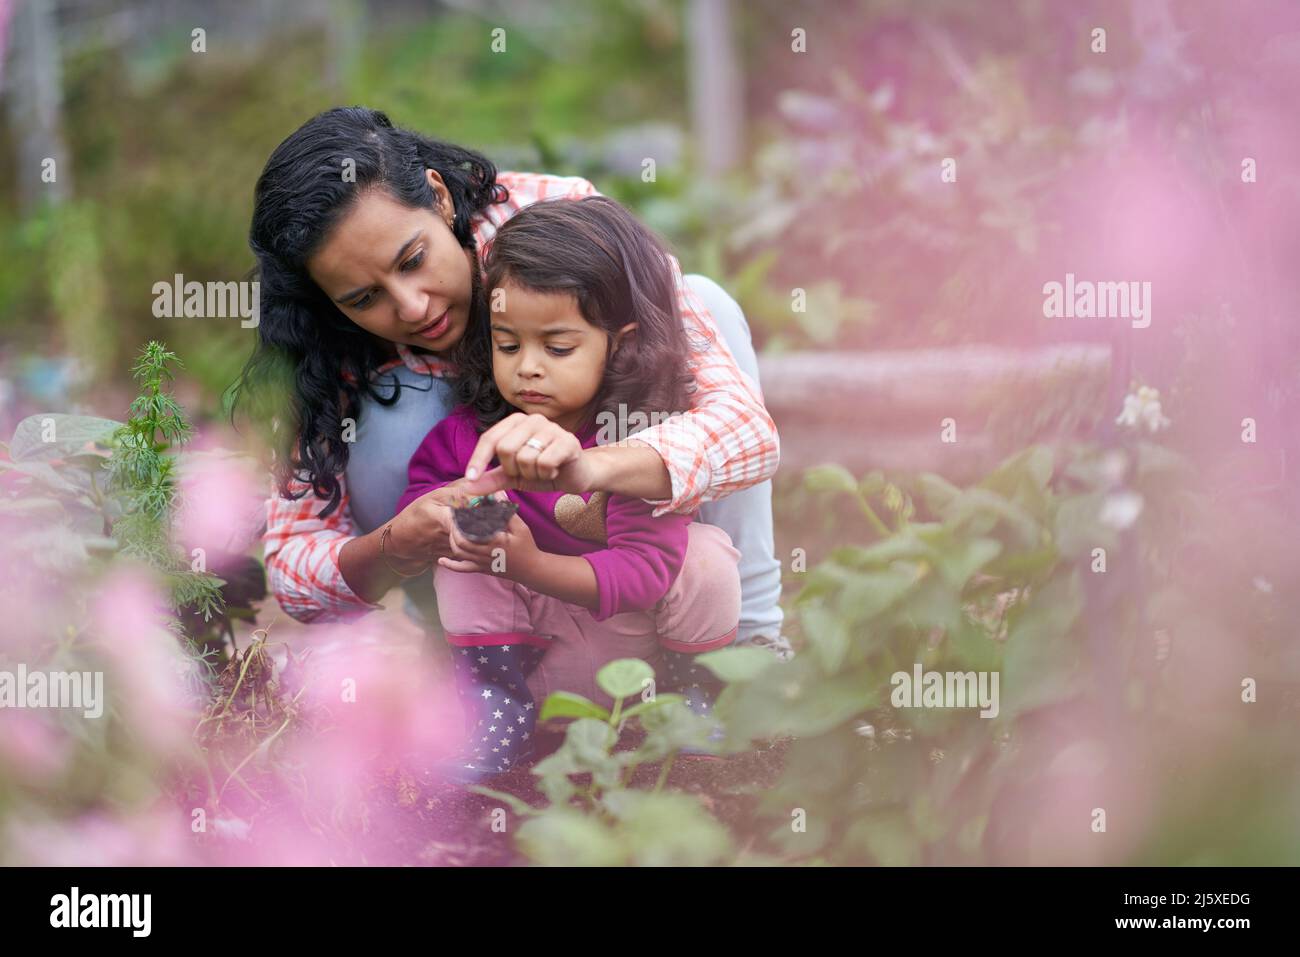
142,472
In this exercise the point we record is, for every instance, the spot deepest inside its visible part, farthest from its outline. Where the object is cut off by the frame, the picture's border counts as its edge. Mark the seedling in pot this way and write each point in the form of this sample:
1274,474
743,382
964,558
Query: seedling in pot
483,517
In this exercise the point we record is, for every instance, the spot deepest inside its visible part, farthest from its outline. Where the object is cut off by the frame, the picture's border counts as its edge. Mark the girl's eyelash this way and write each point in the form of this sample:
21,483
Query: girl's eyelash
413,263
555,351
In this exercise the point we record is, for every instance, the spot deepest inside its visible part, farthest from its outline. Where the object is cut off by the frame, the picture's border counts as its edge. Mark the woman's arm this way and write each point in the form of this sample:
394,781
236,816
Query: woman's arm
418,538
635,470
321,570
727,441
302,556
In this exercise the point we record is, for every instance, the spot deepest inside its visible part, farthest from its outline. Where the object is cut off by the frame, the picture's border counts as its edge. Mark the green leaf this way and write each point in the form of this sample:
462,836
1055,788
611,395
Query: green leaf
737,663
624,677
522,808
1078,529
796,699
962,559
938,492
670,729
589,741
71,434
887,837
566,704
829,478
828,635
977,503
872,483
903,545
552,773
1042,657
658,701
565,837
667,829
1033,465
870,593
47,476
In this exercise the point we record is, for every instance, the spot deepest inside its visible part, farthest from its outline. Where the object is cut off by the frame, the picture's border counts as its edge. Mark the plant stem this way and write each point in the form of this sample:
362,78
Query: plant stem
872,517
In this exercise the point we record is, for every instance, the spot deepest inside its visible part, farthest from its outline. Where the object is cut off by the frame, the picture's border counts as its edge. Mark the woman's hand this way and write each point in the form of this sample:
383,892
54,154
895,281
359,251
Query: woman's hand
554,461
422,531
508,553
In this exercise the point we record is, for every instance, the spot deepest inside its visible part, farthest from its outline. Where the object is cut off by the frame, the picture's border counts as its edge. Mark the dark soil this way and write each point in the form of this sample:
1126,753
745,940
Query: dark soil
483,518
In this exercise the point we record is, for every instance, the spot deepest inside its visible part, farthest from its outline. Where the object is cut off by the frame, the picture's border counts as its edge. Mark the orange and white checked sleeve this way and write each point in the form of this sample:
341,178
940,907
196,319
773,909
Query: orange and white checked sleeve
727,441
302,557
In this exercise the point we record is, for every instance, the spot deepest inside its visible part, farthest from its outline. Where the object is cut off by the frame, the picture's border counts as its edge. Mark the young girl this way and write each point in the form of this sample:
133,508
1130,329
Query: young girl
582,330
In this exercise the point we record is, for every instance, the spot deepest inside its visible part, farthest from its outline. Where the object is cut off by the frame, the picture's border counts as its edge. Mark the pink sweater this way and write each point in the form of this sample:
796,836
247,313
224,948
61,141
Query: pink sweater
636,557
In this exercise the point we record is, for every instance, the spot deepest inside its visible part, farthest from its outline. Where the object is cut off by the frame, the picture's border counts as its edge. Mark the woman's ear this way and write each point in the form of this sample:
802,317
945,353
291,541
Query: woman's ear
446,208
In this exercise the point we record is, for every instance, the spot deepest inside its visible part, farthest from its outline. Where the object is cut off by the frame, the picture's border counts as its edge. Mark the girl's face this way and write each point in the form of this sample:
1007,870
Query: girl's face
547,358
399,273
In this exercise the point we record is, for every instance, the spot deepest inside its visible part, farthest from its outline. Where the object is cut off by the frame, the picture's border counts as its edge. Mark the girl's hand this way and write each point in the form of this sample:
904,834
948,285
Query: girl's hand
555,461
507,554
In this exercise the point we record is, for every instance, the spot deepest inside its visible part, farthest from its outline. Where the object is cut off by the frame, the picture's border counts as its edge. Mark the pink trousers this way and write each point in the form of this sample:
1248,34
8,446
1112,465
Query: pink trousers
699,613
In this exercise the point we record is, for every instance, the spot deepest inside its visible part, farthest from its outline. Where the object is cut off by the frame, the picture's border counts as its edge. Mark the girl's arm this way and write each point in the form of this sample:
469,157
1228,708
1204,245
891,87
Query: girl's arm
570,578
634,573
642,559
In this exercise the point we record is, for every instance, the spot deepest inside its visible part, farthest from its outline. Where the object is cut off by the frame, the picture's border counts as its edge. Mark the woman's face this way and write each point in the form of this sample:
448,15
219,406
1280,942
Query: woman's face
397,272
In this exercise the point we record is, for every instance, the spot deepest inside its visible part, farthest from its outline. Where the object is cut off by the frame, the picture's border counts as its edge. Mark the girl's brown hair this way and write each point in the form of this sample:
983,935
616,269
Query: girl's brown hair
618,272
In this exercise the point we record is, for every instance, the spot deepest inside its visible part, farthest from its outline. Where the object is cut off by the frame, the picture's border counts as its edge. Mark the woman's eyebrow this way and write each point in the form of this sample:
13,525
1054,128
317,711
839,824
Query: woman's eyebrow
393,265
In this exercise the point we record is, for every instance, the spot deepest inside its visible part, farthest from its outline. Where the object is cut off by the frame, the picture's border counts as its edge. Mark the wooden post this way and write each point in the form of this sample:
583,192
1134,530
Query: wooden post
715,86
35,101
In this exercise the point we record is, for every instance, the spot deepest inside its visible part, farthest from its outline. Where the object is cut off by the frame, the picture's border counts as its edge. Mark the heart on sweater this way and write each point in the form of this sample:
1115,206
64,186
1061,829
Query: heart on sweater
583,519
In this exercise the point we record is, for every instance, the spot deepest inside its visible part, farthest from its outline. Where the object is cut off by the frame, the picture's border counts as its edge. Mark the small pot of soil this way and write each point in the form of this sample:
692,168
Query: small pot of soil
483,517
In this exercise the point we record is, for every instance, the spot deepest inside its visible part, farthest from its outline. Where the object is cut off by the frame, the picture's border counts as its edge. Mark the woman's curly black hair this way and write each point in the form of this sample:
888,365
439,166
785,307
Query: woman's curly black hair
309,356
618,272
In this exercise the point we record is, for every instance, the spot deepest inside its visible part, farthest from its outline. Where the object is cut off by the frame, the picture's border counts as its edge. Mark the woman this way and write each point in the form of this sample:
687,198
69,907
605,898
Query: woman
368,241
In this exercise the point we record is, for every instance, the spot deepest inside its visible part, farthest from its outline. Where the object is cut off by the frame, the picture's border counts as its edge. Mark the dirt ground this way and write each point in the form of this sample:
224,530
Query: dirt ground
408,823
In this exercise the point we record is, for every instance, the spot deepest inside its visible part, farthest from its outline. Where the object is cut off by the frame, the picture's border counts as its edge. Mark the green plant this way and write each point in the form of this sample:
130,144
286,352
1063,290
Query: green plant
1008,576
80,490
145,475
594,815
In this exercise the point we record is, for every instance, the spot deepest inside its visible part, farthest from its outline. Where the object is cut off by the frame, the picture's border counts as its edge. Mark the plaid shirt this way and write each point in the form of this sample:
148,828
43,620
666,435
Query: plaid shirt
725,443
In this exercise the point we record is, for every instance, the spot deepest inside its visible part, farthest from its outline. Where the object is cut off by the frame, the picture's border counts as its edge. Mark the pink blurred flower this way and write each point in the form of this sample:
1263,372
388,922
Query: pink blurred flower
146,681
32,750
223,502
156,837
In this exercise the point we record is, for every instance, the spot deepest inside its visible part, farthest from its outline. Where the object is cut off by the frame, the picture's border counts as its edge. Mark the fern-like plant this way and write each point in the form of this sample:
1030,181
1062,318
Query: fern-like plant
142,472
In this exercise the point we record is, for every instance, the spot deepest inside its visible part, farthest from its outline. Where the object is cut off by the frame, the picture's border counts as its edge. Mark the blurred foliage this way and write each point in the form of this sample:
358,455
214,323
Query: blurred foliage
167,147
839,195
1003,577
1088,582
593,816
81,490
